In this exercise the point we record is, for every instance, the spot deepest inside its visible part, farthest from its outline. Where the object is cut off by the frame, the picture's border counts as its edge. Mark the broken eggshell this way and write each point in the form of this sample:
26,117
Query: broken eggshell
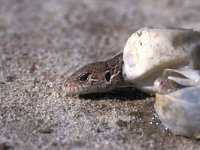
179,109
151,50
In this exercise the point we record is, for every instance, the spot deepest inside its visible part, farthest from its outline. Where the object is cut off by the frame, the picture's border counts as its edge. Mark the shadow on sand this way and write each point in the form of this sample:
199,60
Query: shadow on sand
123,94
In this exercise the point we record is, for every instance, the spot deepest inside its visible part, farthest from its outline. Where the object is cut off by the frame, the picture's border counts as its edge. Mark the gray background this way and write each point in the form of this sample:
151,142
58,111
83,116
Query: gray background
43,42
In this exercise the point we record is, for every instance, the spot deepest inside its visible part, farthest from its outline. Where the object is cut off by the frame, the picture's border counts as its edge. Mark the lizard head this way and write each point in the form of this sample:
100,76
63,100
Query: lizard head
96,77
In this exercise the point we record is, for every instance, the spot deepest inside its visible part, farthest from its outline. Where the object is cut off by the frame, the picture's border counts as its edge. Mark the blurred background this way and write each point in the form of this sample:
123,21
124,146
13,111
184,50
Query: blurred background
43,41
92,24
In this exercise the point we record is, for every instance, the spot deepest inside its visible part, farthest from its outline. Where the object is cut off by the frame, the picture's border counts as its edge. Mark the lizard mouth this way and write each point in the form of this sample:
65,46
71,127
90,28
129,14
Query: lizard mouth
102,85
74,88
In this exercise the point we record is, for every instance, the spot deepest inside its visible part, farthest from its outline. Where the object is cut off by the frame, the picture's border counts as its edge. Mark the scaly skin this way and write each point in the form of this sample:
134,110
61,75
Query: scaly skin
97,77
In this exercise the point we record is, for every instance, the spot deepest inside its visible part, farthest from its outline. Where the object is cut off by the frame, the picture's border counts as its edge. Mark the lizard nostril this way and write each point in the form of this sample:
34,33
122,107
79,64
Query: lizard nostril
66,85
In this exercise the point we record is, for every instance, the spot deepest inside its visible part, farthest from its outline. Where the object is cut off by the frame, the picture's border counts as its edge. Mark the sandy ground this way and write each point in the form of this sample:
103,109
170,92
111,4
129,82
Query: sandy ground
43,42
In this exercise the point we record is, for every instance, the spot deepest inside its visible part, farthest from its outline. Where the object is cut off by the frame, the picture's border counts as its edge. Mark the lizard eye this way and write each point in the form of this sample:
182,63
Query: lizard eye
84,77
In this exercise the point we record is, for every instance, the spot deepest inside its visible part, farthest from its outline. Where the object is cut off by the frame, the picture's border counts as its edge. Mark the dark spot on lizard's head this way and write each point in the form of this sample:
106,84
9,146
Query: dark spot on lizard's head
107,76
